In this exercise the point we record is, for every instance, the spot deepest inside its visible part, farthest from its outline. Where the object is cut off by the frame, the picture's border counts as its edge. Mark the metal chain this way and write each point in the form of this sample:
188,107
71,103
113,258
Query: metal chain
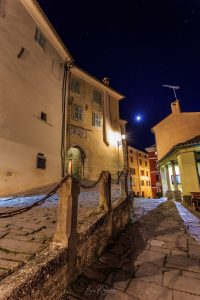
39,202
117,180
95,183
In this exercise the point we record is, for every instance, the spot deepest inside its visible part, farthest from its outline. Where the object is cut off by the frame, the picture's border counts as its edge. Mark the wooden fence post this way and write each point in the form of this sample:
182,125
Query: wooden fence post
123,185
105,193
66,231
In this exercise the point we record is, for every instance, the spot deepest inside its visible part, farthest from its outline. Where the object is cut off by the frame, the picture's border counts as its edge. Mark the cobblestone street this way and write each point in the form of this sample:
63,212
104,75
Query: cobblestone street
156,258
24,235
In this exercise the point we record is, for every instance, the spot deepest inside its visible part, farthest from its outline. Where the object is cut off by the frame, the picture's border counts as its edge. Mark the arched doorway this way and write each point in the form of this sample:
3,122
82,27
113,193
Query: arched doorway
75,162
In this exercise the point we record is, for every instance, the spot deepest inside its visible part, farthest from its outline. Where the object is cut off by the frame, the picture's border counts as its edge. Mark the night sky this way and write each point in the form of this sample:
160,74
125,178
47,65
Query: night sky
139,45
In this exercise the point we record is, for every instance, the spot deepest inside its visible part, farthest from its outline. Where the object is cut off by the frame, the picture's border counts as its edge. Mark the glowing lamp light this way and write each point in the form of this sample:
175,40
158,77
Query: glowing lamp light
138,118
123,136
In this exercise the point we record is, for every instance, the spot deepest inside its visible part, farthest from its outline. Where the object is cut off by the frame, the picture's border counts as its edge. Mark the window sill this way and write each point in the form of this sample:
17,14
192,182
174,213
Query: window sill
49,124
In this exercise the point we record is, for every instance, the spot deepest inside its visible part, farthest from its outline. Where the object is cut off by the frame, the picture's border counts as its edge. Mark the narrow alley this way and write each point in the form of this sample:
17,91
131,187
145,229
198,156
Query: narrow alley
156,258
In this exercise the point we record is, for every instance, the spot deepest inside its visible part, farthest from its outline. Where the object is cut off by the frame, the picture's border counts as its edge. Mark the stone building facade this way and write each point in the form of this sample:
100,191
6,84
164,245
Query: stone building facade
94,128
178,147
156,185
32,61
35,110
138,165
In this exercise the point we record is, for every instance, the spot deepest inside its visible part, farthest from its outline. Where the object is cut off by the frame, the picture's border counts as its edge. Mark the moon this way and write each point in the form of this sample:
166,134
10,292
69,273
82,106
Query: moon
138,118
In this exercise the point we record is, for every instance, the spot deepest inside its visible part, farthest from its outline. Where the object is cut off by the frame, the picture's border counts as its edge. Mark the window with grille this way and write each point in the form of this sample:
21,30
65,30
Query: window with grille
39,38
75,86
78,113
97,97
96,120
41,161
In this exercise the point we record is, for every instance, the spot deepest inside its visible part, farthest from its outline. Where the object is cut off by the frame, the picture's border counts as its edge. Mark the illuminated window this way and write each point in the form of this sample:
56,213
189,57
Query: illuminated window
39,38
78,113
96,120
97,97
75,86
134,182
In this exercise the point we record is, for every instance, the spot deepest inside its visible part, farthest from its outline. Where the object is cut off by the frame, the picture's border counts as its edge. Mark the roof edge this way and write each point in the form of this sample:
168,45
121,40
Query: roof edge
47,28
99,82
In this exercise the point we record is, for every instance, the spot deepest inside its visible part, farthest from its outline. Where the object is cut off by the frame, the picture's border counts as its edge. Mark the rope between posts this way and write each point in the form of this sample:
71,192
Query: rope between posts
39,202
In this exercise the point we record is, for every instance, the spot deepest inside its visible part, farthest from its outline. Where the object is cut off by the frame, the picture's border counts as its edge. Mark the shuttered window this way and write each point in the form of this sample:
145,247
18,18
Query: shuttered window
96,120
97,97
39,38
78,113
75,86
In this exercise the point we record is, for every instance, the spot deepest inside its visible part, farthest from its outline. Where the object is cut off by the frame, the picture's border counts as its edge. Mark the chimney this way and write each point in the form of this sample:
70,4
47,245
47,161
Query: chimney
175,107
106,80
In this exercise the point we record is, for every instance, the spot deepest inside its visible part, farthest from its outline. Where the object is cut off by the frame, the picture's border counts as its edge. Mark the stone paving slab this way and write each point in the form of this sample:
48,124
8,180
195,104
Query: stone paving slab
24,235
157,263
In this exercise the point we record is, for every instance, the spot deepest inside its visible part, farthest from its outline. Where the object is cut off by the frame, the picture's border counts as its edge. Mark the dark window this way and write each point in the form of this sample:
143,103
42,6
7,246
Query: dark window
75,86
2,8
178,179
147,183
197,156
139,154
131,159
96,120
145,163
147,174
78,113
140,162
131,151
39,38
133,171
142,173
157,178
43,116
41,161
142,183
97,97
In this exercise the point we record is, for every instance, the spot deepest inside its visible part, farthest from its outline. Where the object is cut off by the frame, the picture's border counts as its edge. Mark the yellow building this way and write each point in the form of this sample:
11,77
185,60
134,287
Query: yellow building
53,114
178,147
94,129
180,167
138,164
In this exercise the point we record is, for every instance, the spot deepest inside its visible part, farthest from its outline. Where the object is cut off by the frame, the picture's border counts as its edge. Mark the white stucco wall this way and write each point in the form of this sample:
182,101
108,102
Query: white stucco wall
28,85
